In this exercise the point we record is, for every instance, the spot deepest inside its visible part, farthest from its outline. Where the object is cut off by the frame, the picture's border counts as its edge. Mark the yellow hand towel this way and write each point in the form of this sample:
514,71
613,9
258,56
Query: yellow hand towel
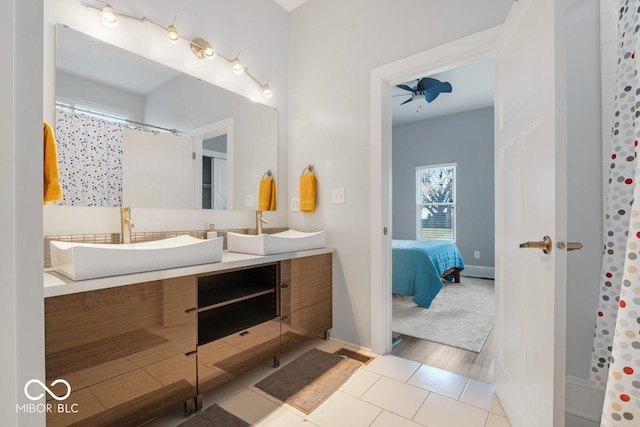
267,197
308,192
52,188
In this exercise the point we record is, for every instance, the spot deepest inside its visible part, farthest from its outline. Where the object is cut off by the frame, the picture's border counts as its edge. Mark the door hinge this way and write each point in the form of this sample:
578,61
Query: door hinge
384,231
193,155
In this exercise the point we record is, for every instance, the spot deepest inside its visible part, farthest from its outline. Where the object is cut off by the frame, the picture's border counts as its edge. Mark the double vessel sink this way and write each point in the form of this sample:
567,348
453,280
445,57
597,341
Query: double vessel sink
80,261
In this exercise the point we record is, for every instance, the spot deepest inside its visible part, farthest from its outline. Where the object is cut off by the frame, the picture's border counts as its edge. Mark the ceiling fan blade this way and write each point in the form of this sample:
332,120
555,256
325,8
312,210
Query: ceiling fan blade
402,94
408,100
433,92
405,87
430,95
427,83
445,87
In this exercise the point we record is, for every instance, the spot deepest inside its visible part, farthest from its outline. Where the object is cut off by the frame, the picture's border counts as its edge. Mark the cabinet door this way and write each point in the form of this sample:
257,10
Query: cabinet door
224,359
123,351
306,296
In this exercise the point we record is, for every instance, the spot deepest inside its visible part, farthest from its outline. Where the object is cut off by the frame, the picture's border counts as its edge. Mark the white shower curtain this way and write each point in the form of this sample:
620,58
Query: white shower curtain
616,346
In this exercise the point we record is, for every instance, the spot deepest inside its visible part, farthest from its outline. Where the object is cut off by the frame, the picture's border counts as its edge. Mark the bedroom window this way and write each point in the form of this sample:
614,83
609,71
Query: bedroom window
435,202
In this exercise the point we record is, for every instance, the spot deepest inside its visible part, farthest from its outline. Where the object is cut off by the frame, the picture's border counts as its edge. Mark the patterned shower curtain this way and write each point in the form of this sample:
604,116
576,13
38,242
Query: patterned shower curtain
89,160
616,346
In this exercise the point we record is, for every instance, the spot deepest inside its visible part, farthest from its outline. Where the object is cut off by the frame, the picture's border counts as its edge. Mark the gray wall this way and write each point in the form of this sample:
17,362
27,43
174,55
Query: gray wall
466,139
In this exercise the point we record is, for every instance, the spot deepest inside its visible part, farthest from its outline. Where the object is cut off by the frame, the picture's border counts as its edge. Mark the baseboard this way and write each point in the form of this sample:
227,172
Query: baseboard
479,271
583,399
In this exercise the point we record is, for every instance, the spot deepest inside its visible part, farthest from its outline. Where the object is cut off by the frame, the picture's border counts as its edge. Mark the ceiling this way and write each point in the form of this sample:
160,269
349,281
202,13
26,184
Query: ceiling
289,5
472,88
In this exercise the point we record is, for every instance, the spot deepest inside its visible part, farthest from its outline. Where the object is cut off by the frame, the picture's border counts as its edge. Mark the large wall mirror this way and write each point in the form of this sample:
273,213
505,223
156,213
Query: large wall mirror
105,97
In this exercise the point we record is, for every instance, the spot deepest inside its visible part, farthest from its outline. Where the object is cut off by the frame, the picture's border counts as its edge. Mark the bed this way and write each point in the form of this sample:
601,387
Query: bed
420,265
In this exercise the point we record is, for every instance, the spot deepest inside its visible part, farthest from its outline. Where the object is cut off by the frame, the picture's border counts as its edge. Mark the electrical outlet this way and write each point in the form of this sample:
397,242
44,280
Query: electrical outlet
250,200
337,196
476,254
294,204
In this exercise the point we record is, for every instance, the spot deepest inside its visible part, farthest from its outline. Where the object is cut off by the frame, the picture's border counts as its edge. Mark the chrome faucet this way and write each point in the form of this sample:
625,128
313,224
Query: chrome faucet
259,222
125,225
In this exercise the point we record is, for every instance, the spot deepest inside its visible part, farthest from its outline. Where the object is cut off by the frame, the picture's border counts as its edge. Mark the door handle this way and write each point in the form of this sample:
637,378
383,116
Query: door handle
545,244
571,246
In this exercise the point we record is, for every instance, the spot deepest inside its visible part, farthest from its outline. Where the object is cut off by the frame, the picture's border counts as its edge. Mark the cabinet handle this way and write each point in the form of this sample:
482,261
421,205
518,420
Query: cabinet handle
191,353
190,310
284,285
242,334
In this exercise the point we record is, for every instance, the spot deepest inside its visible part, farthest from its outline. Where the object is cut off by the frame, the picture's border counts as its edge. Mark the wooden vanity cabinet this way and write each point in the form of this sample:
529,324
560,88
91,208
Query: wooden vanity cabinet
306,297
238,322
133,352
127,352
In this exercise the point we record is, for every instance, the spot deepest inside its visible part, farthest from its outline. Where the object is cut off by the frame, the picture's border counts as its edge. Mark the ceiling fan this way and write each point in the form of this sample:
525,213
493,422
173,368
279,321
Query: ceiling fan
427,88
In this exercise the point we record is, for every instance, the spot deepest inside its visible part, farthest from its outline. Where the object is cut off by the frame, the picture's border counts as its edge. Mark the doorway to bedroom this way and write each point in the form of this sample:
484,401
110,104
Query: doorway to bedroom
442,204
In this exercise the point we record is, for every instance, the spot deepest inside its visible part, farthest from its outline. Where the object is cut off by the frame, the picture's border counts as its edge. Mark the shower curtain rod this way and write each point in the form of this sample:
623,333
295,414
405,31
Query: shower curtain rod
98,113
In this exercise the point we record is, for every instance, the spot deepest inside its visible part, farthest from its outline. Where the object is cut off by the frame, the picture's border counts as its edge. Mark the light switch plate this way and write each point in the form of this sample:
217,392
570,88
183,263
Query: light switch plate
294,205
337,196
250,200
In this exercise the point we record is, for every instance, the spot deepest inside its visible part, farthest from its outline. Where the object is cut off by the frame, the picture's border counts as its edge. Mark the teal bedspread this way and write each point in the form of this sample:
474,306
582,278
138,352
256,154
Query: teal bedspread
418,265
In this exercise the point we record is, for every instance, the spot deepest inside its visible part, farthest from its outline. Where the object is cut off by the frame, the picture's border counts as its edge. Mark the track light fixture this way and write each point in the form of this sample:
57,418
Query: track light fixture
237,67
266,91
172,34
201,48
109,16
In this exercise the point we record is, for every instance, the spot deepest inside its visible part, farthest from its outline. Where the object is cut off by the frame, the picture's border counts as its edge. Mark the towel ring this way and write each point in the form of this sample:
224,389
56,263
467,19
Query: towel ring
267,173
309,168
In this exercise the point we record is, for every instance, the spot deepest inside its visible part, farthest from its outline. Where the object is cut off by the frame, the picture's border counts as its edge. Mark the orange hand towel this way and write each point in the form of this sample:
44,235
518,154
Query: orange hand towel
52,188
267,197
308,192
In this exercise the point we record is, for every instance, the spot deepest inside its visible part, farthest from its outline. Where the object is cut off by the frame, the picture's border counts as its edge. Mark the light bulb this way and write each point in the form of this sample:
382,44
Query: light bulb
109,16
208,51
266,91
172,34
238,68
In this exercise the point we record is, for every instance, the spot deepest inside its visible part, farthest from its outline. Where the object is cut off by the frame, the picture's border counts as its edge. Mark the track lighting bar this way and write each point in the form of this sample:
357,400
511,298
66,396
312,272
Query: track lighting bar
201,48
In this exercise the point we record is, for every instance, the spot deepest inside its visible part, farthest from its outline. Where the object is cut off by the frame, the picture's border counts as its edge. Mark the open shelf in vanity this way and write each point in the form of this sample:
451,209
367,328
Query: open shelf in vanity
233,301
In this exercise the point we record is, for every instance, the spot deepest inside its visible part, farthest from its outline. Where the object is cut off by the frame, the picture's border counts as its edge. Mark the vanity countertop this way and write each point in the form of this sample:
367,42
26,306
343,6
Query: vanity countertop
56,284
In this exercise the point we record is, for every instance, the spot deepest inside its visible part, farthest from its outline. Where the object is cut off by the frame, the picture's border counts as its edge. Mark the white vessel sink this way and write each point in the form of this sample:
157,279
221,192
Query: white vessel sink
268,244
80,261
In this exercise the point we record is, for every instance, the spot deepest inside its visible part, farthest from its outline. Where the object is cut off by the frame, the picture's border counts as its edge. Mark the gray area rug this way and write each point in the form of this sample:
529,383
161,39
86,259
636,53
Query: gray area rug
461,315
310,379
214,416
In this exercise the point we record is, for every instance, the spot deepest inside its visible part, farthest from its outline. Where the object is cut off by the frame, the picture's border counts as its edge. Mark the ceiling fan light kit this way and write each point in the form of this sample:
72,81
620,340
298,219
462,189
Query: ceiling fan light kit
200,47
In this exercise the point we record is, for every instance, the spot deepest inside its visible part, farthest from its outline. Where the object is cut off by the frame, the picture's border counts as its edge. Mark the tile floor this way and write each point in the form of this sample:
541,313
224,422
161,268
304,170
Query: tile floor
389,391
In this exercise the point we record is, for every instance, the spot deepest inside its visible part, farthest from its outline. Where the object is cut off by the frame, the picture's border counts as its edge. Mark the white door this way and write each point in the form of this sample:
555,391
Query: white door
530,110
157,170
219,183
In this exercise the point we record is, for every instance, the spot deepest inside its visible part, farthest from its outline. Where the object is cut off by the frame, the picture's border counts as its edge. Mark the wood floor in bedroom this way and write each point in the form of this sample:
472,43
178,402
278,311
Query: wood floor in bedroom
478,366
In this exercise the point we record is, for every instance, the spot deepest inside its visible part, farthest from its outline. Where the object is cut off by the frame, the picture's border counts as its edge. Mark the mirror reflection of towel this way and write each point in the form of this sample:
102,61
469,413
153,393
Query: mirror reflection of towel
52,188
308,192
267,197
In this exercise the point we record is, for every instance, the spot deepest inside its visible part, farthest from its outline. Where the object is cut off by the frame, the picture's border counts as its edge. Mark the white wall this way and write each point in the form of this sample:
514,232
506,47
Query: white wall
333,47
257,28
21,290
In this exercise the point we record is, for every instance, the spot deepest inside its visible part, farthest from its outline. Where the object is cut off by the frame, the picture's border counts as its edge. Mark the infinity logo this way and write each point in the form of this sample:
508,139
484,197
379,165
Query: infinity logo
43,385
